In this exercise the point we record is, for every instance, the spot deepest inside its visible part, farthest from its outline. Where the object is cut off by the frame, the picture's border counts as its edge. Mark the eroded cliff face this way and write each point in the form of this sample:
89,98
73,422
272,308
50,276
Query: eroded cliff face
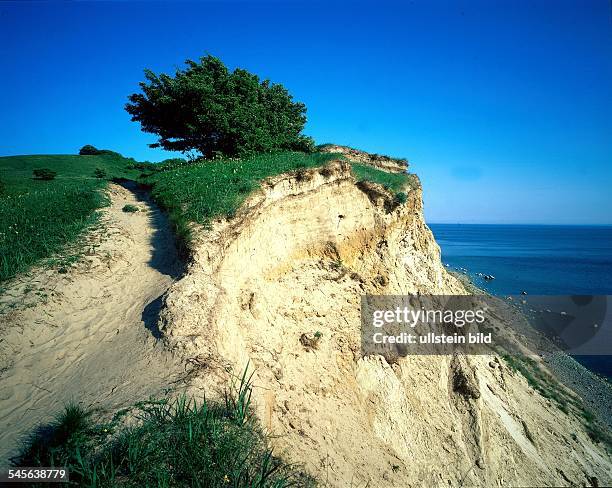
279,287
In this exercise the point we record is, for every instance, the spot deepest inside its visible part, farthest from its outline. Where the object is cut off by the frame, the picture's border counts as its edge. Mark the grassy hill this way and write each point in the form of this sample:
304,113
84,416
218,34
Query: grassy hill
37,217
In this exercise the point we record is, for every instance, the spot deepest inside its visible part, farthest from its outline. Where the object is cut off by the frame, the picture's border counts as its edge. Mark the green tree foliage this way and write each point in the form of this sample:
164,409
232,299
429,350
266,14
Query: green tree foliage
207,108
89,150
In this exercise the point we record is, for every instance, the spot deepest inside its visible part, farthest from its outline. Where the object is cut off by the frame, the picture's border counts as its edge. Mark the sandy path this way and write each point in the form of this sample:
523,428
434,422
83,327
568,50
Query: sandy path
92,339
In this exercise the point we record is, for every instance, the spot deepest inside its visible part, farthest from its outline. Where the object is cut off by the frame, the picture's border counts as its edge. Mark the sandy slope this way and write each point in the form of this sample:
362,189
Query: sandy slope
92,338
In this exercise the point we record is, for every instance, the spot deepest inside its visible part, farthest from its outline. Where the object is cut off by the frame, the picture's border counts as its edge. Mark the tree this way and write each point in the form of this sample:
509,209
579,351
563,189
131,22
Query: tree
89,150
209,109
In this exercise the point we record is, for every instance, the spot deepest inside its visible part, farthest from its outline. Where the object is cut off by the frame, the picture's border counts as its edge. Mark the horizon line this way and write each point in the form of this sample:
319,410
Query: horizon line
519,223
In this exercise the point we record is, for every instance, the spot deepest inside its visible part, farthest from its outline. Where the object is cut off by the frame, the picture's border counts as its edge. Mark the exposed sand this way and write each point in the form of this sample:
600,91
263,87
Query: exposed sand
92,339
295,261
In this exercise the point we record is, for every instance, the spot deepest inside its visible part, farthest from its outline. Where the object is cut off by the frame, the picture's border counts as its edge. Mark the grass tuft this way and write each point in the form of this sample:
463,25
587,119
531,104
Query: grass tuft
400,198
174,443
50,443
395,182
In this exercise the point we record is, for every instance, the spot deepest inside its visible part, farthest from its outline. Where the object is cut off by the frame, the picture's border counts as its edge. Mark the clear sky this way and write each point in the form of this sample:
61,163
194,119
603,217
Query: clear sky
504,108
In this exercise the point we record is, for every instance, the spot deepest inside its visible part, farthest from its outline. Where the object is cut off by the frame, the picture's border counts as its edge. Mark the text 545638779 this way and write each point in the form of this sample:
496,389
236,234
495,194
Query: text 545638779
29,475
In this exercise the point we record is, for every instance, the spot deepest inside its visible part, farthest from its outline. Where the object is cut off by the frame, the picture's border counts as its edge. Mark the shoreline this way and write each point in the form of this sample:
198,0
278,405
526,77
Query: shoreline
591,387
595,391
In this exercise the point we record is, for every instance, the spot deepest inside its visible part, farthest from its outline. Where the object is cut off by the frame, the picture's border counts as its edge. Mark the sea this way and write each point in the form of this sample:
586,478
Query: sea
533,259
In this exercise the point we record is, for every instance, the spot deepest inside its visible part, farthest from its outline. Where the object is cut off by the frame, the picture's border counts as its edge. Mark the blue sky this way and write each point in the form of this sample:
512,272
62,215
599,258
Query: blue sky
504,108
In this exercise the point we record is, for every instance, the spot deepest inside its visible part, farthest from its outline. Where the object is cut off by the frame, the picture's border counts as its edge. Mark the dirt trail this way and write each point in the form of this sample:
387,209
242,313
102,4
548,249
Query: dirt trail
91,334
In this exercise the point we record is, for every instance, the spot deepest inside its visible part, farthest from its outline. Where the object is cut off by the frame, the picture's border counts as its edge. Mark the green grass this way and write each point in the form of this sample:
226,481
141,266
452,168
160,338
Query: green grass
173,443
39,218
395,182
129,208
205,190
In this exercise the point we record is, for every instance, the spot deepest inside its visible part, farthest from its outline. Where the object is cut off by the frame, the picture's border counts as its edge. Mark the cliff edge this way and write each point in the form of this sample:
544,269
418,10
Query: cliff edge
278,287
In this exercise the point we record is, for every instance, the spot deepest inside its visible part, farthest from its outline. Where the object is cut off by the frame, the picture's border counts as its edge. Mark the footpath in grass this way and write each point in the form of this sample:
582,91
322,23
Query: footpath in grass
38,217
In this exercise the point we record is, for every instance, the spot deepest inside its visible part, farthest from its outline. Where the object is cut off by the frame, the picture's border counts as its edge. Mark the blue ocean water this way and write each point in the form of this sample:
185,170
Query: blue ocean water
537,259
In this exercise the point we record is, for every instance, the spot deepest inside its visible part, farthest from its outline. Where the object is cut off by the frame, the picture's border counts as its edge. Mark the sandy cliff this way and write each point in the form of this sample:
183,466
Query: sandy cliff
289,271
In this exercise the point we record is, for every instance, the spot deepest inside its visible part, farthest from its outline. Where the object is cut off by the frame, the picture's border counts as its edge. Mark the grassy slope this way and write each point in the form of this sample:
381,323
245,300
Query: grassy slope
38,218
